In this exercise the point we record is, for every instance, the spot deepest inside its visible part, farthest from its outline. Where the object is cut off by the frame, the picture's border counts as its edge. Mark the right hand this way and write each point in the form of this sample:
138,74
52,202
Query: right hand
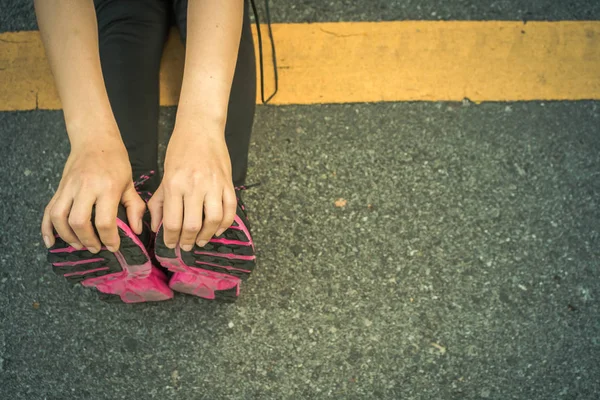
97,173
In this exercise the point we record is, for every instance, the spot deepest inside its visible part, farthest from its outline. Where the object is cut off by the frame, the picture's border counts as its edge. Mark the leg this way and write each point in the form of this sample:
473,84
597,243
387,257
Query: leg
242,100
131,37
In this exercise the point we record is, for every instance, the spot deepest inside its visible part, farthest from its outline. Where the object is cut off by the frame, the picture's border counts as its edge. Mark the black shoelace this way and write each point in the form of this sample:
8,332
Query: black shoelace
238,194
260,51
246,187
139,183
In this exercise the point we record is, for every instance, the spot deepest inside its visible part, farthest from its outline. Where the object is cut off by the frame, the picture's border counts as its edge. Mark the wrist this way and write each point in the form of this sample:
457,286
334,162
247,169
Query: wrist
201,111
88,126
87,105
95,138
199,126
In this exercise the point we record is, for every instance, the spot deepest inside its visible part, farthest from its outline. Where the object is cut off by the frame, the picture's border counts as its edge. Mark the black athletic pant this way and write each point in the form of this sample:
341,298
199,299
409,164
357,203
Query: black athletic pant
132,34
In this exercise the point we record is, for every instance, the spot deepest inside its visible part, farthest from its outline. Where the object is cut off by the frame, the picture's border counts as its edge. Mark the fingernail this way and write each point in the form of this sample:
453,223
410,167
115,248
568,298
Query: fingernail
76,245
47,242
170,245
187,247
219,232
92,249
112,249
201,243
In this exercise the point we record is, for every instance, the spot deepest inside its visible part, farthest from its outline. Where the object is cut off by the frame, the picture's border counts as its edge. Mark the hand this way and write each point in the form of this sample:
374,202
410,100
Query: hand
196,198
97,173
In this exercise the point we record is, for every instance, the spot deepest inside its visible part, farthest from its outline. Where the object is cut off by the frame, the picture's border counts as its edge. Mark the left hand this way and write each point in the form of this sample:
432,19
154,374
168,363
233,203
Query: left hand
196,198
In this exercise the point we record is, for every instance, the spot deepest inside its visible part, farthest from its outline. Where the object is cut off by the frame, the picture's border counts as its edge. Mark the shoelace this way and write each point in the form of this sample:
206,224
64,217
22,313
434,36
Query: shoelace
242,188
260,51
246,187
146,177
137,184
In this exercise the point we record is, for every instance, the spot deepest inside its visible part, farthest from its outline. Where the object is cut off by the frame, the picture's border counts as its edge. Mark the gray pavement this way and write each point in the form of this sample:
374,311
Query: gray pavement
473,274
18,15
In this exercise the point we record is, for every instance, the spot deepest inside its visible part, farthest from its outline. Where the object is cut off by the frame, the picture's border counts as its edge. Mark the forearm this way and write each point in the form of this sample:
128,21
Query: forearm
70,35
214,29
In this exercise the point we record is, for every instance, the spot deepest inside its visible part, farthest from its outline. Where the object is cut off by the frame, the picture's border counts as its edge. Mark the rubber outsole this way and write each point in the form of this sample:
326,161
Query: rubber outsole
214,271
125,276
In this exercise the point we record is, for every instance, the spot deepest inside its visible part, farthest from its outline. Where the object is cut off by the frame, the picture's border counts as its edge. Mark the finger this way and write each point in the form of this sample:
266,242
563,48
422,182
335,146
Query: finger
80,220
213,215
59,217
192,220
229,209
135,206
172,218
47,227
155,205
106,222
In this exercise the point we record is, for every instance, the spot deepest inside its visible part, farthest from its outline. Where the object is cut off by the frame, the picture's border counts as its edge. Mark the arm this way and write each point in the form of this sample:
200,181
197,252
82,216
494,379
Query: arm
70,35
197,166
97,172
214,30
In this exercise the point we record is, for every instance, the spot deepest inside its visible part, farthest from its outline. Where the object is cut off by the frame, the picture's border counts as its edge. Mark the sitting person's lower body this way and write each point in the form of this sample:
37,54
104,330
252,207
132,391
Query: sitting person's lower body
132,35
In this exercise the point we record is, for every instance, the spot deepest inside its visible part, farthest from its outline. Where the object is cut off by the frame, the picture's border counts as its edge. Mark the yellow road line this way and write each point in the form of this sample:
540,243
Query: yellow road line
375,61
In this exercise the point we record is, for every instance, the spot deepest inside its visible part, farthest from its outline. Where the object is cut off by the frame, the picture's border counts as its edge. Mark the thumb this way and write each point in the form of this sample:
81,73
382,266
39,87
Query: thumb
135,207
155,205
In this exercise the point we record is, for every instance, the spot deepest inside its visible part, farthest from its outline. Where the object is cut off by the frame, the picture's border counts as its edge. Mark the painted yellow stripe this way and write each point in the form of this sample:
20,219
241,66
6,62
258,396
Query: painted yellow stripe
375,61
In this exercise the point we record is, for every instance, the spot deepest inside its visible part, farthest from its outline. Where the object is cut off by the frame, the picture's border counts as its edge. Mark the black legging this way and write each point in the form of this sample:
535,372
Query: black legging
132,34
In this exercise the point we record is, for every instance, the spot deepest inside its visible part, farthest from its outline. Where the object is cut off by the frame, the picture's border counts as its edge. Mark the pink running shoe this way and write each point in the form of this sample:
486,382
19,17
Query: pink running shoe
127,275
215,271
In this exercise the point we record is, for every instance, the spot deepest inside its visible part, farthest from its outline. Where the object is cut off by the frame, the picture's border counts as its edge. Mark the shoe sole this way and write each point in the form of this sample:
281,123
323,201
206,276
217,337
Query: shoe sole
215,271
125,276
